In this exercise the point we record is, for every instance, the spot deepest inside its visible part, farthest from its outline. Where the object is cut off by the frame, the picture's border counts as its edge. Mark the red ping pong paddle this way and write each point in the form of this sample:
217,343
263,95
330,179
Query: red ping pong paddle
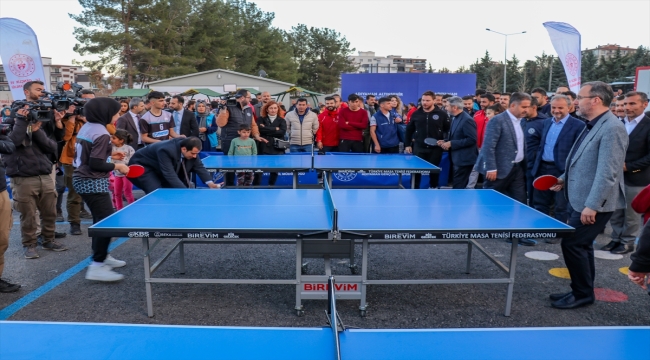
545,182
135,171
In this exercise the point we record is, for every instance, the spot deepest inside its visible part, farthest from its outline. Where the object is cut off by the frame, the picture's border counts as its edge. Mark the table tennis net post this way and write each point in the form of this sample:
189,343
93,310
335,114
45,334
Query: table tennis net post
332,314
332,210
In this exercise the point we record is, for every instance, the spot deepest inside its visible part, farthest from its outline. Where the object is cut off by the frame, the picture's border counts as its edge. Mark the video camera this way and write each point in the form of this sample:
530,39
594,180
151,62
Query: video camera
66,95
230,96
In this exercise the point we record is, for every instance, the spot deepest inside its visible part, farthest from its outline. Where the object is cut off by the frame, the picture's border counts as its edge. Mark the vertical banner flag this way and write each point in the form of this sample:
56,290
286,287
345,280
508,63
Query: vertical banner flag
21,57
566,41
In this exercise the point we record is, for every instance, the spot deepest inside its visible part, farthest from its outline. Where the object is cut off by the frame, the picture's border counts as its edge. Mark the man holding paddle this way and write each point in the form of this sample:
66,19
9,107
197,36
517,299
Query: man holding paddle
593,181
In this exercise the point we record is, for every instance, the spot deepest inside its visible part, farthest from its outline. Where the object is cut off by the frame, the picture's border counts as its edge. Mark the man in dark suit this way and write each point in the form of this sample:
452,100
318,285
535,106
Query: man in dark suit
533,131
168,164
593,177
636,173
184,119
131,122
461,143
557,137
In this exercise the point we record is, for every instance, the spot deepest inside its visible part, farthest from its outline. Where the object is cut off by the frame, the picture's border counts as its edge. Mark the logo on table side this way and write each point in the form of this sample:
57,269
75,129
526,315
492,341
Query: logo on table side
325,287
231,236
164,235
345,176
137,234
203,235
399,236
428,236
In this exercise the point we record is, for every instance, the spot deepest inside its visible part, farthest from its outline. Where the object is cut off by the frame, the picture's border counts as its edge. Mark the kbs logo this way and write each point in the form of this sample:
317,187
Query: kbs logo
572,64
139,234
399,236
22,65
231,236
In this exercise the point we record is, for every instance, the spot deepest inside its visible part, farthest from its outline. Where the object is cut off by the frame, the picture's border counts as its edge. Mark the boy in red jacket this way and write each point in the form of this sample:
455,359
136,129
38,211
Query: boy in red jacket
352,121
327,136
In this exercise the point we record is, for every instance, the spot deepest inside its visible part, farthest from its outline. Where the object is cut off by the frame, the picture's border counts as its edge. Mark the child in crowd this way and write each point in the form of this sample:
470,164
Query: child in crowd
243,145
121,185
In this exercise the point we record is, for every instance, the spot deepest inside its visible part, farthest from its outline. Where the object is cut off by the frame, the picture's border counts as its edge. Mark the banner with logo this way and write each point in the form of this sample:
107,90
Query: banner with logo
21,57
566,41
408,86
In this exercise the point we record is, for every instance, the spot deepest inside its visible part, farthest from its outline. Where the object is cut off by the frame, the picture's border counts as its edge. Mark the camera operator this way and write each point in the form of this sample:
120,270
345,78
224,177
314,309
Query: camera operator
6,218
31,170
230,118
74,203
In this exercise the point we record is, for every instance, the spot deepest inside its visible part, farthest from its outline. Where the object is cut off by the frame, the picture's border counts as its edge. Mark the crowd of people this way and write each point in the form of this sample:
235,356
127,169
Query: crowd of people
596,144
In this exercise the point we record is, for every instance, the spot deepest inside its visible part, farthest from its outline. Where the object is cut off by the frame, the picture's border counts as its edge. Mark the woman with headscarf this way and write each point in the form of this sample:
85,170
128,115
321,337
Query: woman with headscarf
207,127
272,126
6,114
91,178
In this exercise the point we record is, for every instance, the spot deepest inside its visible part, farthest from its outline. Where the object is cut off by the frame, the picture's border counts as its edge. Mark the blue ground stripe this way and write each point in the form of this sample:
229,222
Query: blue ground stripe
44,289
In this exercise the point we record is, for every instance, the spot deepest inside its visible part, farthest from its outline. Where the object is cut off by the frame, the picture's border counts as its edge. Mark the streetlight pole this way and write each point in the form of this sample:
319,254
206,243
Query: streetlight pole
505,56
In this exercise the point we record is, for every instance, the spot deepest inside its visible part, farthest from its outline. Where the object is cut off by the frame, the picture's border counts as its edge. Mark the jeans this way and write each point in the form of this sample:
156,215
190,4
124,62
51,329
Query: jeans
122,186
432,155
300,148
351,146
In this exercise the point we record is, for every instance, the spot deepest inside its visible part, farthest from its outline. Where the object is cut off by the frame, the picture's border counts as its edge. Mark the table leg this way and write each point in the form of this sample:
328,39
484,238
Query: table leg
399,180
511,274
299,309
181,252
147,276
329,178
295,179
469,256
412,181
364,277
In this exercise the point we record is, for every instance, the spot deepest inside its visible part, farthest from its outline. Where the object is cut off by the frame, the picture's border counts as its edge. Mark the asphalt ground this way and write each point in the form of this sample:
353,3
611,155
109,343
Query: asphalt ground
390,306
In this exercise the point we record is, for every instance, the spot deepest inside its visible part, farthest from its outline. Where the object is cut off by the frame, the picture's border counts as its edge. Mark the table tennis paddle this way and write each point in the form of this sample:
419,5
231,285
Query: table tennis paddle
545,182
431,141
135,171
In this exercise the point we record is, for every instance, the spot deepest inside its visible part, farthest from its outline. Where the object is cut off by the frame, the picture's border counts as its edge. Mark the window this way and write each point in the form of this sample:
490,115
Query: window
56,70
4,87
2,79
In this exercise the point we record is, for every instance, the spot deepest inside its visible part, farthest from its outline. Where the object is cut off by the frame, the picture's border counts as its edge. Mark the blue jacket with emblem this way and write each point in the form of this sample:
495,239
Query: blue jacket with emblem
386,129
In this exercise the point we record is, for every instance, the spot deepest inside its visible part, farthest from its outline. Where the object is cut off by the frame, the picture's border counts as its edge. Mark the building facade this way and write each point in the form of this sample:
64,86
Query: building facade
605,52
369,62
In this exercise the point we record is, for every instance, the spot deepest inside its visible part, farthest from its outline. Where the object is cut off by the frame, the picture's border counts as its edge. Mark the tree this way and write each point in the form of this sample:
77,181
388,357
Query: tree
641,57
462,70
108,31
589,67
482,68
322,55
513,76
444,70
430,69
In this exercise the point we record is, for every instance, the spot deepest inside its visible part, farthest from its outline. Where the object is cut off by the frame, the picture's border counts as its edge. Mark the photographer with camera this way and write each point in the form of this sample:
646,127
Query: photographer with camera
31,169
74,204
233,114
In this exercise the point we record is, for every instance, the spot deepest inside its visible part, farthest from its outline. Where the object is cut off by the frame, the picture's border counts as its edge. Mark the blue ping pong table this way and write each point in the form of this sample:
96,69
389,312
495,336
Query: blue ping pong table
327,224
393,164
161,342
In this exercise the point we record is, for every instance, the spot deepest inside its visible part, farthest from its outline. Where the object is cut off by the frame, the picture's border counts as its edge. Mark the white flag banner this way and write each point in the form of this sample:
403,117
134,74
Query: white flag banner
566,41
21,57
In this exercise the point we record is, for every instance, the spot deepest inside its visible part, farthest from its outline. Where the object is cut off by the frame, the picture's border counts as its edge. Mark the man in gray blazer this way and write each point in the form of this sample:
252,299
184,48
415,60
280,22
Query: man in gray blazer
461,143
593,181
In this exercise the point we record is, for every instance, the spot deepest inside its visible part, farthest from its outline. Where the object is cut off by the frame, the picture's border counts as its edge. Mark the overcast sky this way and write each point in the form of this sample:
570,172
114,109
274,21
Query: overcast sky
446,33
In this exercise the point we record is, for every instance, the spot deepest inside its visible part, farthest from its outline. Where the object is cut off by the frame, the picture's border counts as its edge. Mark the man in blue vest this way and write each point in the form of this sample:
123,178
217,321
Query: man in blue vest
383,129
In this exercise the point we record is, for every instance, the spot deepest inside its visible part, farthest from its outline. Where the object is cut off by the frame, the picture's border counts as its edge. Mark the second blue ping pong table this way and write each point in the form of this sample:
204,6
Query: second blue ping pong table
327,224
387,164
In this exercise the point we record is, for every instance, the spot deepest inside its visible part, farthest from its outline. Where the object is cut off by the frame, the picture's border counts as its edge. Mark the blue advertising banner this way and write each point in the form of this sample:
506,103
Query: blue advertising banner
408,86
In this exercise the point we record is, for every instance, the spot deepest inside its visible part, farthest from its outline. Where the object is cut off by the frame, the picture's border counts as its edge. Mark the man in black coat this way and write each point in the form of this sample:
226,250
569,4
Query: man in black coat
636,173
462,142
168,164
131,122
184,119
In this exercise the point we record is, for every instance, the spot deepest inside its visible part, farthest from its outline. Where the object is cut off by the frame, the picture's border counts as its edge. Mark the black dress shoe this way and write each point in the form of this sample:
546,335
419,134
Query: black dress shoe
558,296
623,249
59,235
570,302
612,244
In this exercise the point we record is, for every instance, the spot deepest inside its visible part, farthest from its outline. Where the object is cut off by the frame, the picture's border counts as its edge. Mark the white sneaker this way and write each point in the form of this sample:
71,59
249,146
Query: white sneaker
102,273
113,262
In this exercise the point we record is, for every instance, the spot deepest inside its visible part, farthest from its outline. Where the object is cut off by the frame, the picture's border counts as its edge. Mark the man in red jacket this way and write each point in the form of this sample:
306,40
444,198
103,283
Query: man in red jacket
327,136
352,121
481,119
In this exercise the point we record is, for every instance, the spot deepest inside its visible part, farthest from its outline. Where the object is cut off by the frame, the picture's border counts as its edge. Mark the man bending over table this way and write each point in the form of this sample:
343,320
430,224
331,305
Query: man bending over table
168,164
